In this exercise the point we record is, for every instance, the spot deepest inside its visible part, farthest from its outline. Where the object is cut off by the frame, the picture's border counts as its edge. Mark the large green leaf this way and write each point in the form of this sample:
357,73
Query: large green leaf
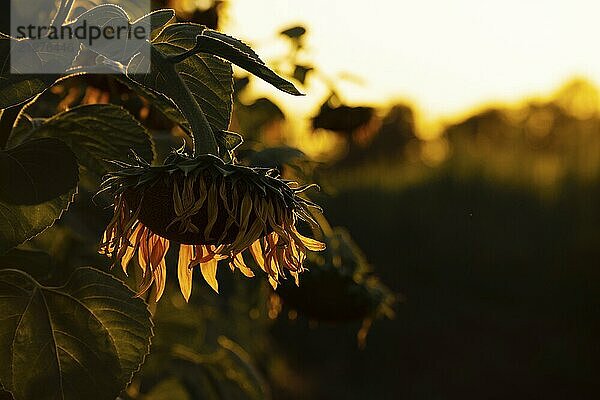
239,53
37,171
36,160
96,133
84,340
21,223
209,79
114,17
155,20
15,88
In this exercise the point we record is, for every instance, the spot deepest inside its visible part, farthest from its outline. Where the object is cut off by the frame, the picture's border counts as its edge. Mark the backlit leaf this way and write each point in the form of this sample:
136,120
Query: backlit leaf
97,133
16,89
209,79
83,340
49,173
240,54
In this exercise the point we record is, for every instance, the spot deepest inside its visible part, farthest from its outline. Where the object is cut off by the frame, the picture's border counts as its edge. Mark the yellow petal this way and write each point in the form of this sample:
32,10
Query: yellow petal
310,244
239,262
160,275
209,272
157,251
296,277
143,254
126,258
273,283
184,270
131,249
256,252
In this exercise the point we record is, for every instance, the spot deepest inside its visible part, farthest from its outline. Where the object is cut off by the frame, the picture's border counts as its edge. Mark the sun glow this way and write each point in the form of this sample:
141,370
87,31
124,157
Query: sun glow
443,57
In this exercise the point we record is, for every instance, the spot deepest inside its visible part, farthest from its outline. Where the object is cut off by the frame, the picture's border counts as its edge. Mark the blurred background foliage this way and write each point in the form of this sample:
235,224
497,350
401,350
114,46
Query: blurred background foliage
486,236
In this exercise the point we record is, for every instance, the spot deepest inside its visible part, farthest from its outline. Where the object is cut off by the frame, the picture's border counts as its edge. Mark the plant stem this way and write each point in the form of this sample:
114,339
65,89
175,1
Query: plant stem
202,133
7,121
206,143
175,59
203,137
63,12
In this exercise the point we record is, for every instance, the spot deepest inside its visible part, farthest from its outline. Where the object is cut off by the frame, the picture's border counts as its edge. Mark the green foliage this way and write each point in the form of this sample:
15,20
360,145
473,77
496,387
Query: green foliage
25,178
84,335
16,89
112,16
208,78
82,340
156,20
96,133
240,54
38,181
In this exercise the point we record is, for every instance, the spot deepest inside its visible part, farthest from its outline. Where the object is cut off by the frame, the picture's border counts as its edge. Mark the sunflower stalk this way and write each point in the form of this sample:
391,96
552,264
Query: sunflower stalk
202,135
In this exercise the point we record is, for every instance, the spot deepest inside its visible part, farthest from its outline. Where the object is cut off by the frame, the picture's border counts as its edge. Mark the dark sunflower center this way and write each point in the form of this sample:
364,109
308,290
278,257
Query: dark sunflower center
198,211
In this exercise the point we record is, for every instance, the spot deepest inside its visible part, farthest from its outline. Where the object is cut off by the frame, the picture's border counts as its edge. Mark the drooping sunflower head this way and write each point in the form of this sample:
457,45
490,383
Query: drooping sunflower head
214,211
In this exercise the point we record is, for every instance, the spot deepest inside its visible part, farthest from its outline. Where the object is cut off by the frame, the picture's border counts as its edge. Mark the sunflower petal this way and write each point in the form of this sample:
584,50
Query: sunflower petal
238,261
209,272
273,282
310,244
256,251
126,258
131,249
160,277
143,253
159,250
184,270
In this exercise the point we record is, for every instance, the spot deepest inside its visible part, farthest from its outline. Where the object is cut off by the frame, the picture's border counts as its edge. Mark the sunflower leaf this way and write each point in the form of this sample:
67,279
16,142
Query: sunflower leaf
156,19
97,133
83,340
107,16
37,171
173,89
14,88
240,54
38,181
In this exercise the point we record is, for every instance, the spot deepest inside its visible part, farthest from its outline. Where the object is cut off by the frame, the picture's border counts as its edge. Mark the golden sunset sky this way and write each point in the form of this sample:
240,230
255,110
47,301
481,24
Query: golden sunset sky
445,57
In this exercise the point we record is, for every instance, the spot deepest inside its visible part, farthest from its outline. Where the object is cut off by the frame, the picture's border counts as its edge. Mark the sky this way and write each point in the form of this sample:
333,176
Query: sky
444,57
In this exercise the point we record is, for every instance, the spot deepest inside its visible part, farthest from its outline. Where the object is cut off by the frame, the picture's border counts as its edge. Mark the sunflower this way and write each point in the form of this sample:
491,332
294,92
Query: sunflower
214,211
